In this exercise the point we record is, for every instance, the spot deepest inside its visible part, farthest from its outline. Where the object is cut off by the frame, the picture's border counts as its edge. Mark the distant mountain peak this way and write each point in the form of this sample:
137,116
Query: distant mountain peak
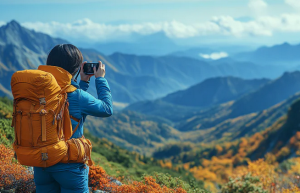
156,37
13,24
289,74
15,34
286,44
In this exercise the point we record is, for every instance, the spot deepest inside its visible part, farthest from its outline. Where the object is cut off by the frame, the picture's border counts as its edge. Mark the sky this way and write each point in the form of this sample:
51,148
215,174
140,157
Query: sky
199,21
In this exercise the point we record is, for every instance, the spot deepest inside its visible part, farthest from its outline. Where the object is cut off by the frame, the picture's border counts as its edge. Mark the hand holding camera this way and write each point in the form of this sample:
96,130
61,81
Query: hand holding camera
99,72
90,69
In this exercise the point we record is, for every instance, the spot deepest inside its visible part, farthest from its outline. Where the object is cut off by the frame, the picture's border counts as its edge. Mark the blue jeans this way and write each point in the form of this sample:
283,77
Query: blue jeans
72,180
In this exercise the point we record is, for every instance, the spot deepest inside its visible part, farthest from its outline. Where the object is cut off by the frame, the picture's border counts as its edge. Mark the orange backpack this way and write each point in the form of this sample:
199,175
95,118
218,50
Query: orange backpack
41,119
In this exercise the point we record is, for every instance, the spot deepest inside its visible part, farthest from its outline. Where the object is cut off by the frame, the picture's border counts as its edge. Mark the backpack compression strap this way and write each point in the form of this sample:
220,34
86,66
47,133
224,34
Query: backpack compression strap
78,123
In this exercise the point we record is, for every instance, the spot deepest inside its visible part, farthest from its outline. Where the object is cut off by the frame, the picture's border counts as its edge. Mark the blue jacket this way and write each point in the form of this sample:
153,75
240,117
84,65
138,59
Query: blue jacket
81,104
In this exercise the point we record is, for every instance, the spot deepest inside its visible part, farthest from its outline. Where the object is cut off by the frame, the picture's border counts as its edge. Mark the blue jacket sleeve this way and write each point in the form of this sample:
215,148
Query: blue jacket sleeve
101,107
83,85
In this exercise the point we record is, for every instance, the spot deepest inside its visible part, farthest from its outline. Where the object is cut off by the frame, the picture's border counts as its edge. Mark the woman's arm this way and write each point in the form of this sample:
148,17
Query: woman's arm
101,107
84,85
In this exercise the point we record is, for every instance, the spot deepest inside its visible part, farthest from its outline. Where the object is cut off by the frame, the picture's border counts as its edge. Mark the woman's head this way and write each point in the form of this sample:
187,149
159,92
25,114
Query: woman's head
66,56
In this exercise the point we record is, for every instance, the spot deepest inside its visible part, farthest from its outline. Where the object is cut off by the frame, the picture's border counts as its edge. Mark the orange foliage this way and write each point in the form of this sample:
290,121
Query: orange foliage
165,164
15,176
99,180
149,185
12,174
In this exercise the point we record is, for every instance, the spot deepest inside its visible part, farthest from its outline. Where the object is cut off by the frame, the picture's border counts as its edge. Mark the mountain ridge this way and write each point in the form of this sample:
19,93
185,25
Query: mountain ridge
133,78
217,90
276,54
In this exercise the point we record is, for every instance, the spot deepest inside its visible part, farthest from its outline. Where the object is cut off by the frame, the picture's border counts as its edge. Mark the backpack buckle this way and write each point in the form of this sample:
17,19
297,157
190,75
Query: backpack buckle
58,117
44,156
42,101
43,112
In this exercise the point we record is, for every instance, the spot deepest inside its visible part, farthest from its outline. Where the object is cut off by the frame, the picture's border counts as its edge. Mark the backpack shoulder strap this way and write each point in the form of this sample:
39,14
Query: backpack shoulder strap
70,88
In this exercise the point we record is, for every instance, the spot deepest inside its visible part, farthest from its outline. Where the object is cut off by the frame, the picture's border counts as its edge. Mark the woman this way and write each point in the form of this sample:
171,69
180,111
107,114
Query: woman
73,177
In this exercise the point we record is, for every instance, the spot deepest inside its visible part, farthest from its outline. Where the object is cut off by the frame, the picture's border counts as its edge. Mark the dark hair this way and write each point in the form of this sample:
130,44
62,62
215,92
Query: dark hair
66,56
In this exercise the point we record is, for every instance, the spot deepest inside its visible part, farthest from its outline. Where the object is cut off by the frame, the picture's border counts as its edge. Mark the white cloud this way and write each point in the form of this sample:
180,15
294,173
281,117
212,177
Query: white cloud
224,25
293,3
214,56
259,7
2,23
97,31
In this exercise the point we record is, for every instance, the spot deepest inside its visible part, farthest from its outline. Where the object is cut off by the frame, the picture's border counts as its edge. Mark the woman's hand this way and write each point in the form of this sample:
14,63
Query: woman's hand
101,70
83,76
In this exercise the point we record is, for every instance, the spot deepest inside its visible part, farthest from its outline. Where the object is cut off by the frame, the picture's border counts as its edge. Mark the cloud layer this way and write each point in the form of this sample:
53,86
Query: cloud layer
260,26
223,25
293,3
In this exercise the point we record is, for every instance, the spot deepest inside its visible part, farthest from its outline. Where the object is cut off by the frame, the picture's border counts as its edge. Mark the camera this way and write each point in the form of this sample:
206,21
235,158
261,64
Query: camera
88,68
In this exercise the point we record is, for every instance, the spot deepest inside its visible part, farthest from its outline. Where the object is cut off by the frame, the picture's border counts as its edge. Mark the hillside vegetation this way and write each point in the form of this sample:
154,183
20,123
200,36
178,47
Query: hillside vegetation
218,162
115,161
214,164
146,133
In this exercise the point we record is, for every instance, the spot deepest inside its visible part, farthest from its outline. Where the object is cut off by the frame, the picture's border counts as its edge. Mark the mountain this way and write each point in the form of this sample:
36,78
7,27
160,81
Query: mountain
263,98
282,136
214,161
14,34
278,54
145,133
234,128
168,68
268,95
134,131
214,91
275,148
159,122
256,100
163,109
132,78
21,49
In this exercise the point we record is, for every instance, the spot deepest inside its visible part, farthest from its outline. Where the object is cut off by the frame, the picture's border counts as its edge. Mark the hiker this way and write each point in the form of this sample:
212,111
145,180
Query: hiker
69,176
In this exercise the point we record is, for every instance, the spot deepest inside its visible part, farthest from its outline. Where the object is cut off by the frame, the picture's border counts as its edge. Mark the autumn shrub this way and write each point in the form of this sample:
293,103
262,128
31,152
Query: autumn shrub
148,184
12,174
246,183
99,180
7,135
164,179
